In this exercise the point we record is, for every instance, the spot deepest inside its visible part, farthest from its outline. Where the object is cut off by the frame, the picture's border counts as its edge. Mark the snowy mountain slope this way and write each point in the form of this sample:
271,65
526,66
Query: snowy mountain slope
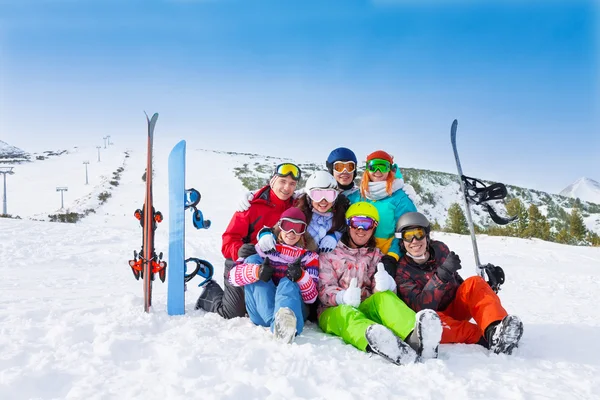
585,189
438,190
72,323
31,191
11,154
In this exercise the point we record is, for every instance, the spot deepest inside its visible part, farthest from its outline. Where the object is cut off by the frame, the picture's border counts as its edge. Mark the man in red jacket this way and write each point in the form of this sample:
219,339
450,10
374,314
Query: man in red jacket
240,237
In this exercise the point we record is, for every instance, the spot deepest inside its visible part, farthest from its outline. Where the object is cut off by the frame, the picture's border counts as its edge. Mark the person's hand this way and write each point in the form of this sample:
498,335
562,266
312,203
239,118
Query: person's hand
244,203
266,241
410,192
328,243
447,270
350,296
265,272
383,280
295,270
390,264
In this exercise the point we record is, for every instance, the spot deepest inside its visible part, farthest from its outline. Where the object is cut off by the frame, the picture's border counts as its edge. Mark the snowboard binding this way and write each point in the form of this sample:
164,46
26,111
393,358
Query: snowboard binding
495,276
192,198
480,194
202,268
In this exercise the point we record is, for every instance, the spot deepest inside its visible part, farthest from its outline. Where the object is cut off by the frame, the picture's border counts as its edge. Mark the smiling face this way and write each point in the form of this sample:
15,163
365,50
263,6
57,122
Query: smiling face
416,248
378,176
359,237
284,187
290,238
343,178
321,206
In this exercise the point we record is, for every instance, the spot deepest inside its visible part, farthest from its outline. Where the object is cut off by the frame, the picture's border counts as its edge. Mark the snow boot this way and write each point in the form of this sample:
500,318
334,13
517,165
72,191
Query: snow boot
504,336
209,296
284,326
385,343
426,336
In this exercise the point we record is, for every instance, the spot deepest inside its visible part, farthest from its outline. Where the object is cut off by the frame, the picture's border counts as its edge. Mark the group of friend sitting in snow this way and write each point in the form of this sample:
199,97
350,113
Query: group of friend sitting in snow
358,260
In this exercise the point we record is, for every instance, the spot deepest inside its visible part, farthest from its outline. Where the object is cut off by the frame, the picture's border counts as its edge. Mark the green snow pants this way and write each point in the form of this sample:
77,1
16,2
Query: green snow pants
351,323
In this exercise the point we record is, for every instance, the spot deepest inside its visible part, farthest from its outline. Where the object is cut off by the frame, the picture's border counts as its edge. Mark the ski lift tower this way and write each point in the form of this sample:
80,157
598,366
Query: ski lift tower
5,171
62,189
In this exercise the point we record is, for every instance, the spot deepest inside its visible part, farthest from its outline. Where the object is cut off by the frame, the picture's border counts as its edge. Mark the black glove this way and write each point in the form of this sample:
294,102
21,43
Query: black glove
390,264
246,250
294,270
447,270
265,272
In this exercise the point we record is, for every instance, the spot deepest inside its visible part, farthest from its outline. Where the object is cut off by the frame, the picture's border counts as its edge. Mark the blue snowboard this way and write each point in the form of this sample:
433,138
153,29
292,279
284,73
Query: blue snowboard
176,270
180,200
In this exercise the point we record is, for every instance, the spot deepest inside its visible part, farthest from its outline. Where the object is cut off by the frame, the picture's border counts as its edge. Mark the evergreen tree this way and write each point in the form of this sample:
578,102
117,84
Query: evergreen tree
518,228
536,222
593,238
456,221
546,232
577,228
436,226
563,236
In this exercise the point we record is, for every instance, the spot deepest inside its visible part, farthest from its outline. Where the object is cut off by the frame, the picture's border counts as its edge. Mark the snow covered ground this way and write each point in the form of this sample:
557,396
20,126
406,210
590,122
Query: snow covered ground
72,324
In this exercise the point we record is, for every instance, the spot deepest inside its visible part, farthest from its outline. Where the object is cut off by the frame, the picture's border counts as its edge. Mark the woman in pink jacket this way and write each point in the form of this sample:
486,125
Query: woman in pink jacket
358,299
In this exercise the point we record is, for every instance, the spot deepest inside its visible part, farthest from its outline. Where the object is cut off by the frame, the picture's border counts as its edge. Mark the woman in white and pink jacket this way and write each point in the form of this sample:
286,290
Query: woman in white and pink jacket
359,301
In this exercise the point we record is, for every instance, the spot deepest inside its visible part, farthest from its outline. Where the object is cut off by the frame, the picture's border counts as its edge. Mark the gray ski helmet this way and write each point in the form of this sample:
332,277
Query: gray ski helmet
412,219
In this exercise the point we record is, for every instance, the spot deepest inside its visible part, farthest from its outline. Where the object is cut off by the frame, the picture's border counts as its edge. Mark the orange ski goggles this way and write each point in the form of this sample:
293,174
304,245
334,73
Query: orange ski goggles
341,166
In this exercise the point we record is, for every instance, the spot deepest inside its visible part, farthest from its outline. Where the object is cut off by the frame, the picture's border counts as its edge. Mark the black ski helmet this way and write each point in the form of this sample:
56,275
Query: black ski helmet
411,220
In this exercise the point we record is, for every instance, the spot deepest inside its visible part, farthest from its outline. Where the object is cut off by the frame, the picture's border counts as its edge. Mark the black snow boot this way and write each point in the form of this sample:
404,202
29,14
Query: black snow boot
503,336
210,297
385,343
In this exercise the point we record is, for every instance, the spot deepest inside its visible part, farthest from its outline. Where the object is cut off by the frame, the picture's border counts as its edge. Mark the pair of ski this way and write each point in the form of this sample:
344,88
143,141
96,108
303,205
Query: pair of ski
147,263
476,192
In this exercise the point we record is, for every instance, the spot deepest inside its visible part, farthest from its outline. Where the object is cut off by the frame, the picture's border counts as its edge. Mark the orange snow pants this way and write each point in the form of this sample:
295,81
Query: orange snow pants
474,299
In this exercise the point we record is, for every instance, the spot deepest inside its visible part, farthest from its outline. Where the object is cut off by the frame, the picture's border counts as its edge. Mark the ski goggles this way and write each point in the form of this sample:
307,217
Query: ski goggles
289,225
319,194
341,166
288,169
361,222
409,234
380,165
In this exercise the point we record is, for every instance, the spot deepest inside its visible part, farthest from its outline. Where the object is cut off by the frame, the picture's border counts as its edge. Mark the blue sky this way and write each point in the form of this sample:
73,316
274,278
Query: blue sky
299,78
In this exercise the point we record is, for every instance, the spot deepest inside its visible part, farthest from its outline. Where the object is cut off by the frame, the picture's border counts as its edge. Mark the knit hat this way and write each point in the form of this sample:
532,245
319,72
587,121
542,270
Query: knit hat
340,154
293,213
381,155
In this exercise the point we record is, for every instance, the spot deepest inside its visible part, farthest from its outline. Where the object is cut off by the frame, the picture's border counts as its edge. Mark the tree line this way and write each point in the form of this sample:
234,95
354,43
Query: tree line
530,223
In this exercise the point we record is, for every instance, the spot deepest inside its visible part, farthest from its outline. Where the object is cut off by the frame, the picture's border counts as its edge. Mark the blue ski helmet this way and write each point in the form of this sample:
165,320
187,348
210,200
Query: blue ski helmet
341,154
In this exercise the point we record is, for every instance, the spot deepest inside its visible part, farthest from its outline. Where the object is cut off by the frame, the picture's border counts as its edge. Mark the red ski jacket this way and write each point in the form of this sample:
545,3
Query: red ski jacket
265,210
420,287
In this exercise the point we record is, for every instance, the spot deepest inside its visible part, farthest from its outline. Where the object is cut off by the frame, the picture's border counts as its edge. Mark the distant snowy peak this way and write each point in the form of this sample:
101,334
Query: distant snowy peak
10,153
585,189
